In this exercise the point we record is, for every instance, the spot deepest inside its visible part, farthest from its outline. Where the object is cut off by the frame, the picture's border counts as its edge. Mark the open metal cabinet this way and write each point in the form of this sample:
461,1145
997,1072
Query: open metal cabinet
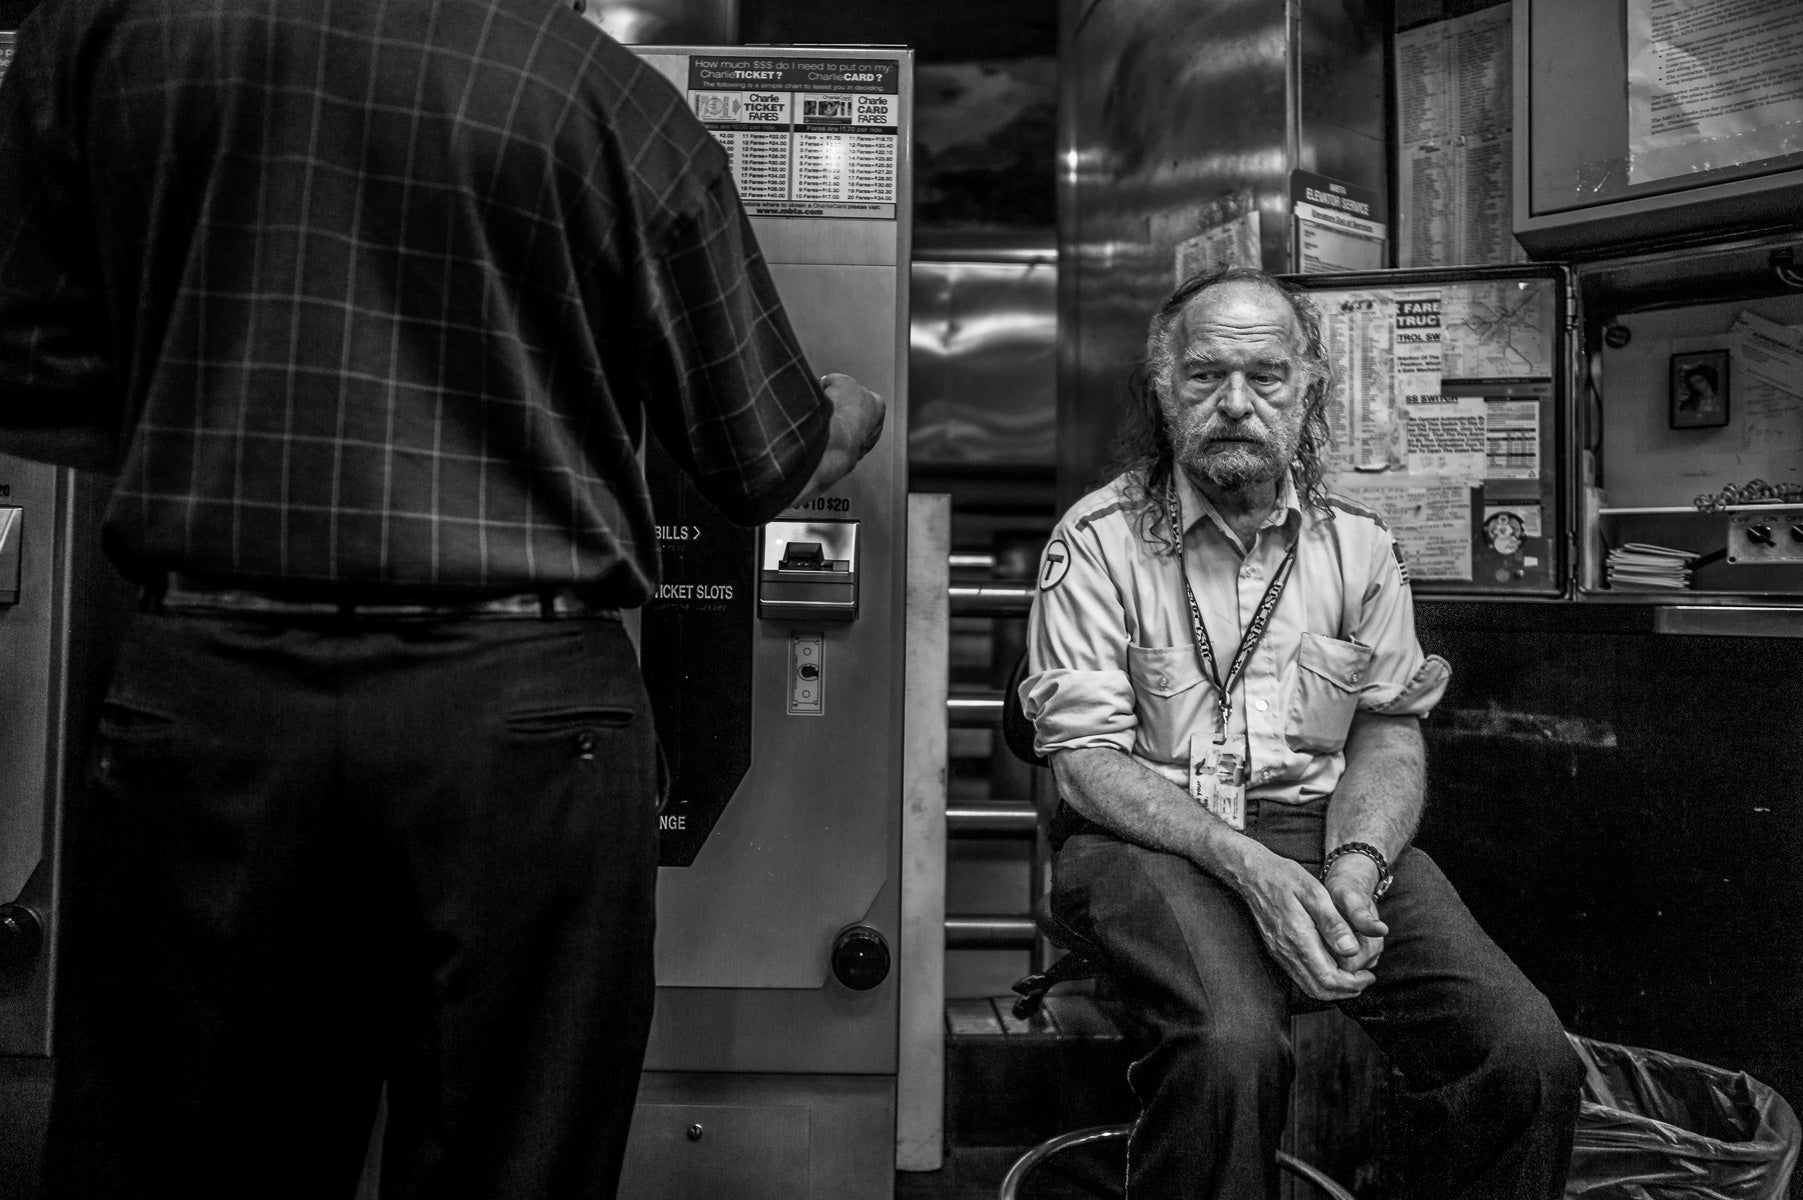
1693,427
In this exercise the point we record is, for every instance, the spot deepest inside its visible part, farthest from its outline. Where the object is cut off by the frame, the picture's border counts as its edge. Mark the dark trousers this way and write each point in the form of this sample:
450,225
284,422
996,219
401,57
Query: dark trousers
1490,1084
329,856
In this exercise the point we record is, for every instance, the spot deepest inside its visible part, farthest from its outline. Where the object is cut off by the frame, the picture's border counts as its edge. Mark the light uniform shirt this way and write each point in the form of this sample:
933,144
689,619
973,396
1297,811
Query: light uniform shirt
1112,660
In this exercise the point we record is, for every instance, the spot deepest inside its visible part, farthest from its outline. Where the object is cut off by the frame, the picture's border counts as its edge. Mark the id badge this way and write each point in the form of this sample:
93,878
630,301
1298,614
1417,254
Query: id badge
1217,780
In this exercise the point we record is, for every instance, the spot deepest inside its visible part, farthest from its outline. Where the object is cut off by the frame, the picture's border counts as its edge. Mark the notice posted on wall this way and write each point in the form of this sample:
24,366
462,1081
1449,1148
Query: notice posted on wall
1446,436
1454,117
1229,238
1365,431
1512,439
1441,435
808,137
1525,523
1768,392
1430,518
1339,226
1415,341
1712,84
1768,352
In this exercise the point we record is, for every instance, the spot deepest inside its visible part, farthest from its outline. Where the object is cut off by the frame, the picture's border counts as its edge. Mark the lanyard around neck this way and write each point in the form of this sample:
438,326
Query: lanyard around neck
1255,632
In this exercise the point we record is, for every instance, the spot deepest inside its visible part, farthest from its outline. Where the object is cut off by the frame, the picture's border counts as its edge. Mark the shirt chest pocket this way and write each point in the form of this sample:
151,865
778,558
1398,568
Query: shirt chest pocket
1173,699
1326,695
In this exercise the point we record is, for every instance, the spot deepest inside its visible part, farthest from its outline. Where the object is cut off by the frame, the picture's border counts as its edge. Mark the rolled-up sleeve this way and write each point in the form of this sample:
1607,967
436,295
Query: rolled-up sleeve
730,394
1077,691
1401,680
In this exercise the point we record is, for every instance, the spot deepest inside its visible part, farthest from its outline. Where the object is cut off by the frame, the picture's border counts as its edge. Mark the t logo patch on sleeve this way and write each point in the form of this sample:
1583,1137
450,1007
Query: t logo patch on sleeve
1396,549
1054,564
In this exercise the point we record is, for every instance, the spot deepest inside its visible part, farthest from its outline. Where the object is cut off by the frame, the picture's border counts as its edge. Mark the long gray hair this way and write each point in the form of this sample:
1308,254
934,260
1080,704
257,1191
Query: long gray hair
1144,451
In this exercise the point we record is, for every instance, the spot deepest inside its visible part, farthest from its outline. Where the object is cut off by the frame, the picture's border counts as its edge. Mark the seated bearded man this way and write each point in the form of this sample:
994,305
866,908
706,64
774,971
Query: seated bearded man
1224,673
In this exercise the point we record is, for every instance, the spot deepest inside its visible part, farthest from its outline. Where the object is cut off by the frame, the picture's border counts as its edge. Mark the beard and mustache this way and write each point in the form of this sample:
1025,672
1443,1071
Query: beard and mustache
1232,454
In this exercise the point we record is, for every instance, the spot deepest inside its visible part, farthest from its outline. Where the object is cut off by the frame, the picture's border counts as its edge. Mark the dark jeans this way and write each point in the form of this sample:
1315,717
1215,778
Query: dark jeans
1490,1083
335,855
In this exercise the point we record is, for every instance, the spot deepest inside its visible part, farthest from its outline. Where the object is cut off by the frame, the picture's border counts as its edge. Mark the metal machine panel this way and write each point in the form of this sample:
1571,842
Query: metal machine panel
757,1152
785,1137
782,825
32,630
801,807
56,640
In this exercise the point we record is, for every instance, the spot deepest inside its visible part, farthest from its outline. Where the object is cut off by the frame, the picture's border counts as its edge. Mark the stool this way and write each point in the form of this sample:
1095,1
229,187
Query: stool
1024,1165
1031,992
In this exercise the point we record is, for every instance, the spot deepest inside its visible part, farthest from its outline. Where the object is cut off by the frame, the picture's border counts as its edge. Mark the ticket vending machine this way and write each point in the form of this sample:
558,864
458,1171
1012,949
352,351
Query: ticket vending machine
774,661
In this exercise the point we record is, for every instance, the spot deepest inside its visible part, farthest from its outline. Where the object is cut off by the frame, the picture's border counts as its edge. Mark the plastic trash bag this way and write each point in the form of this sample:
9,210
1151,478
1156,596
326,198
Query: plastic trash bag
1654,1126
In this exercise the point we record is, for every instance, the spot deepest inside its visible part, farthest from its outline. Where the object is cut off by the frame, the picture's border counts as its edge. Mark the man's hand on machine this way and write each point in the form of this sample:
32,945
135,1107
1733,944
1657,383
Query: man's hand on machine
1304,930
857,424
861,410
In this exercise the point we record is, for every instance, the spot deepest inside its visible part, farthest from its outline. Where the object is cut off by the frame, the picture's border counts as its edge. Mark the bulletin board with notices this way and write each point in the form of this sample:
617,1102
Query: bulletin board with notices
1449,418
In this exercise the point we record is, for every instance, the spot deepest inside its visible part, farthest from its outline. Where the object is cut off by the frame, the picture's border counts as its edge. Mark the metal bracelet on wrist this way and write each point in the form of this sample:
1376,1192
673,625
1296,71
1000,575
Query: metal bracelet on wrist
1384,878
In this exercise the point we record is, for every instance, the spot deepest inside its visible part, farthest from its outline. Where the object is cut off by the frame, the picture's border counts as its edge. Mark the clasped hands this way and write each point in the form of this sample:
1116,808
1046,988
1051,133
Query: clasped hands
1326,936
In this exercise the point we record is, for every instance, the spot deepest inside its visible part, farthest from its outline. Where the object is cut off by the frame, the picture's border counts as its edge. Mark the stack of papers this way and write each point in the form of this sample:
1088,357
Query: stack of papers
1641,565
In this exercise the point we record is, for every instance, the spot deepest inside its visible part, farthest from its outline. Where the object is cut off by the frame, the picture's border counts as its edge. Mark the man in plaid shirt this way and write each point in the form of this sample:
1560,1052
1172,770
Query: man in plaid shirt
368,306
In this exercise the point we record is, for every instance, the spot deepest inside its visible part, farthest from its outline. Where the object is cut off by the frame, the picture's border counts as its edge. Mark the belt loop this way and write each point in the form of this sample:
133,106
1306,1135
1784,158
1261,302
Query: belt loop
547,606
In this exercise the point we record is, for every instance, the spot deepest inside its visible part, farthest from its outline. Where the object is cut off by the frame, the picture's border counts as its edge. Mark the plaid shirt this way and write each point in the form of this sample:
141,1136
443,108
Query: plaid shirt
381,294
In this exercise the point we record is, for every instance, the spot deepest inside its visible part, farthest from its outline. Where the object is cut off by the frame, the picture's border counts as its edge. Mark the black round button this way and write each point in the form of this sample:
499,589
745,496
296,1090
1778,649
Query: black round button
21,935
860,958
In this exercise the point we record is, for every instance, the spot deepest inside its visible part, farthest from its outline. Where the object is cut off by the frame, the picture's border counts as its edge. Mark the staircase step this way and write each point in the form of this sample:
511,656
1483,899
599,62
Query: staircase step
1013,1082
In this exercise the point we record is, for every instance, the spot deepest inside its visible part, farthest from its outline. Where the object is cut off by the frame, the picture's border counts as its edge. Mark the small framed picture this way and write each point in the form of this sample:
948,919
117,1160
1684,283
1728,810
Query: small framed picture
1699,389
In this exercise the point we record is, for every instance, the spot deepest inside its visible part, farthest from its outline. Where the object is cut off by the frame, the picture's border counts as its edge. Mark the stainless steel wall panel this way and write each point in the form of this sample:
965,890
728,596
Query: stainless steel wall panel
1341,130
983,362
1165,109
